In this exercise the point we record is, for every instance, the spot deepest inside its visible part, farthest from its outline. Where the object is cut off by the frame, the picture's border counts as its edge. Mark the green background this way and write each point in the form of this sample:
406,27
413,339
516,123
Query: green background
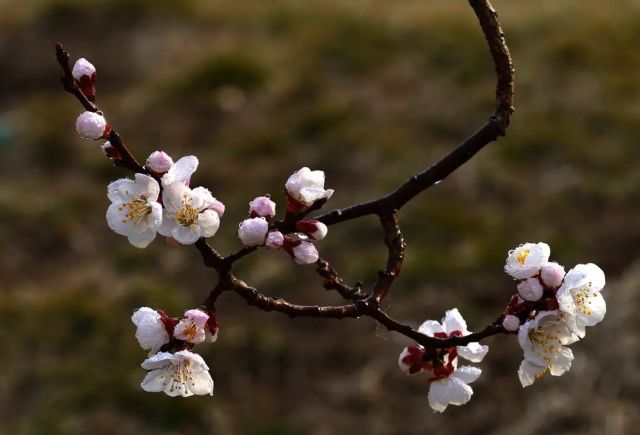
370,91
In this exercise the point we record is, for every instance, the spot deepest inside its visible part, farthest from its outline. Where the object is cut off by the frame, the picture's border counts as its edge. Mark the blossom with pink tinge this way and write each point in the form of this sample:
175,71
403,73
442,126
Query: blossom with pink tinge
183,373
150,331
91,125
192,327
262,206
83,68
275,240
552,274
510,323
218,207
530,289
306,186
312,228
305,253
159,162
253,231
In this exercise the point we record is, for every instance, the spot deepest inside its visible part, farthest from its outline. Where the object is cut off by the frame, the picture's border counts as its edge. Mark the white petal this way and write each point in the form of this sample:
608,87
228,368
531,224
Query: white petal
528,373
167,225
142,239
209,222
156,380
449,391
173,197
467,374
186,235
147,186
598,307
120,190
201,383
430,328
157,361
473,352
181,171
201,198
453,321
117,221
563,363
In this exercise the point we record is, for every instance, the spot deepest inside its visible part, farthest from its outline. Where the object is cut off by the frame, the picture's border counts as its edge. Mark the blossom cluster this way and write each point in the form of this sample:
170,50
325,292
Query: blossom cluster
549,312
172,367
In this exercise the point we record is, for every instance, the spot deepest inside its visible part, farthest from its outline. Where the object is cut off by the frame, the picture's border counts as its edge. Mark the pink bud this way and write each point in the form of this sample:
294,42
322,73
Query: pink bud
83,68
552,274
510,323
90,125
252,232
217,206
530,289
305,253
275,240
159,162
262,206
314,229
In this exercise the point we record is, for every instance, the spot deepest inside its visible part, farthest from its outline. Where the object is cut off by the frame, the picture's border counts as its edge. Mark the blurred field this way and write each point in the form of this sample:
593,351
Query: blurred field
371,91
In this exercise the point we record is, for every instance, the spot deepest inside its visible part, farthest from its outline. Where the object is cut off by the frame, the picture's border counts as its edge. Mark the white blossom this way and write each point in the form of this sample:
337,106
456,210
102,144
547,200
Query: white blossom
527,259
262,206
253,231
552,274
81,68
193,327
183,373
530,289
181,171
579,297
543,340
305,253
134,211
307,186
186,214
275,240
150,333
159,162
510,323
449,383
91,125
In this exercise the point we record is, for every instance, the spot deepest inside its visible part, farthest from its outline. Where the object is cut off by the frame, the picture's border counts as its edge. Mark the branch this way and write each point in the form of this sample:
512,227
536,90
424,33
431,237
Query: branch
490,131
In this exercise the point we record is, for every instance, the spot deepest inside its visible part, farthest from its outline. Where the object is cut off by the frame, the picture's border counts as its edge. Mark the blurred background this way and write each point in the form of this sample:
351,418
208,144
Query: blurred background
370,91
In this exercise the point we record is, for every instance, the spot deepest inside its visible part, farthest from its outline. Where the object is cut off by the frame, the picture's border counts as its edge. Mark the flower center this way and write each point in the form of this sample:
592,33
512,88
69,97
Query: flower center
522,255
191,331
546,343
187,215
582,299
137,210
181,375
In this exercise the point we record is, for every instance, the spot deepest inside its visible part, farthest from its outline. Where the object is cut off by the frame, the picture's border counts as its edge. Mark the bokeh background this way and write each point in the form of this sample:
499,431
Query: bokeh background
370,91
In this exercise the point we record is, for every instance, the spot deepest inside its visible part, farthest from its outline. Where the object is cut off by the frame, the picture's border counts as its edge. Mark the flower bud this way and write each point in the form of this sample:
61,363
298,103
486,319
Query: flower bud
313,228
159,162
275,240
218,207
110,151
262,206
252,232
410,359
83,68
192,327
305,187
530,289
305,253
85,75
552,275
510,323
90,125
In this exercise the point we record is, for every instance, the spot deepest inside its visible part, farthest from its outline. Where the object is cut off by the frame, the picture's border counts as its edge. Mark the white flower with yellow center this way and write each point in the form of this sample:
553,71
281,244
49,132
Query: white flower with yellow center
186,215
182,373
544,340
134,211
527,259
579,297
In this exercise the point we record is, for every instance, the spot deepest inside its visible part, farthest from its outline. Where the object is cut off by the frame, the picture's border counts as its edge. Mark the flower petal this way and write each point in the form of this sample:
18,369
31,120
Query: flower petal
453,321
430,328
209,222
186,235
181,171
467,374
528,373
473,352
563,363
449,391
